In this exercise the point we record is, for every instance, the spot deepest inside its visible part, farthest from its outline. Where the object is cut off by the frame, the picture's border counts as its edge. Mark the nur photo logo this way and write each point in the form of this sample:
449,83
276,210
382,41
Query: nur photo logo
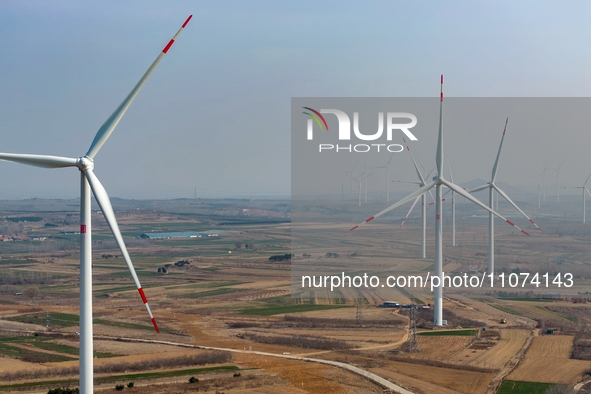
392,120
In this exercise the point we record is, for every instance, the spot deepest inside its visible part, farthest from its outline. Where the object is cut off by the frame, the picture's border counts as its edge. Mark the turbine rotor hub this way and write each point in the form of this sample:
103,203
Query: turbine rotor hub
85,163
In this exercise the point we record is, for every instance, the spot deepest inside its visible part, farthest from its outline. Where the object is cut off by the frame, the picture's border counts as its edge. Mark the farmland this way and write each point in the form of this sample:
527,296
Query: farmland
228,294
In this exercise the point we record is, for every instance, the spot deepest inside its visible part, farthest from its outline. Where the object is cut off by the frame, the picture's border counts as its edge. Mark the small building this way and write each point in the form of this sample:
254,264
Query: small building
389,304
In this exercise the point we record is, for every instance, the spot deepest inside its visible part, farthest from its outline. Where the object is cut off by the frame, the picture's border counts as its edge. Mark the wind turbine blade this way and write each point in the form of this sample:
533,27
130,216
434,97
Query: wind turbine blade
102,198
479,188
406,199
587,180
506,197
451,177
495,167
410,210
411,182
107,128
39,160
415,163
439,156
588,192
470,197
431,194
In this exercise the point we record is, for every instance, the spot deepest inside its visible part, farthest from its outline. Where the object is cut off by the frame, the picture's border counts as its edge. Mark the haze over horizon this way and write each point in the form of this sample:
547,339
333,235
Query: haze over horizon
216,113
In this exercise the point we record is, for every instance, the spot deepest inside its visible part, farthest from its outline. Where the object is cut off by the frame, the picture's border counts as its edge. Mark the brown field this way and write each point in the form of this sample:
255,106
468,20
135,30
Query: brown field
496,357
548,360
441,348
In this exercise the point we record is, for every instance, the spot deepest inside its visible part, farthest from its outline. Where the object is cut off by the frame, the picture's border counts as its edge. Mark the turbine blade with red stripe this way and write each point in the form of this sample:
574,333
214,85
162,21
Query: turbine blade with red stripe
410,210
102,198
415,163
506,197
107,128
470,197
406,199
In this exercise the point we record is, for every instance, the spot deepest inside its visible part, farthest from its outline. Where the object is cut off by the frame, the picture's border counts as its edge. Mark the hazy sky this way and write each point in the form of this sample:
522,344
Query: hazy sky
216,113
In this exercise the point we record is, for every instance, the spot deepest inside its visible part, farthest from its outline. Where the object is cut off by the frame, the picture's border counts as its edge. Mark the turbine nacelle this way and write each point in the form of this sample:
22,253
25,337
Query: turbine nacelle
85,163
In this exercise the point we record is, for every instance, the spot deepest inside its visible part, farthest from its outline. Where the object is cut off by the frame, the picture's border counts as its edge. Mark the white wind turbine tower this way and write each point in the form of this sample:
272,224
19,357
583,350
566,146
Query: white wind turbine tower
388,169
584,190
438,183
492,186
557,181
88,181
359,181
350,175
544,174
421,182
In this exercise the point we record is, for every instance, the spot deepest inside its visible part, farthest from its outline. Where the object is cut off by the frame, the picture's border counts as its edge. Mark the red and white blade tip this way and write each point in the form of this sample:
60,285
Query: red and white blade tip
366,221
167,47
145,300
538,227
513,224
187,21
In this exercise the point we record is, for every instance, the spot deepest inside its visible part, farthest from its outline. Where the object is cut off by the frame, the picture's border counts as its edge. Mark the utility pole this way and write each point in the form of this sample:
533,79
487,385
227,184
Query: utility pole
413,343
359,312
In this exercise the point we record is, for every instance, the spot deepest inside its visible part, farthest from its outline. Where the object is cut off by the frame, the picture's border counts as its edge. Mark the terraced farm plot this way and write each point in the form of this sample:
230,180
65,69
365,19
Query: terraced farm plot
440,348
547,360
209,293
56,319
31,355
66,349
452,333
497,356
270,310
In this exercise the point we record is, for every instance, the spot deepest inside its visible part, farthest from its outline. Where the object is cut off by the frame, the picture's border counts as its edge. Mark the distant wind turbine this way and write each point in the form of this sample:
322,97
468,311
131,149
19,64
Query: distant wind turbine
359,182
438,182
88,181
584,190
421,182
388,169
544,175
557,177
492,186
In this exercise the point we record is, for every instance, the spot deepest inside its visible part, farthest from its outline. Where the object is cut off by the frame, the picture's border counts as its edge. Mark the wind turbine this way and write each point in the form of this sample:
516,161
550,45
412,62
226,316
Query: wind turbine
88,181
584,189
350,175
557,181
438,183
492,186
421,182
359,181
388,169
544,174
